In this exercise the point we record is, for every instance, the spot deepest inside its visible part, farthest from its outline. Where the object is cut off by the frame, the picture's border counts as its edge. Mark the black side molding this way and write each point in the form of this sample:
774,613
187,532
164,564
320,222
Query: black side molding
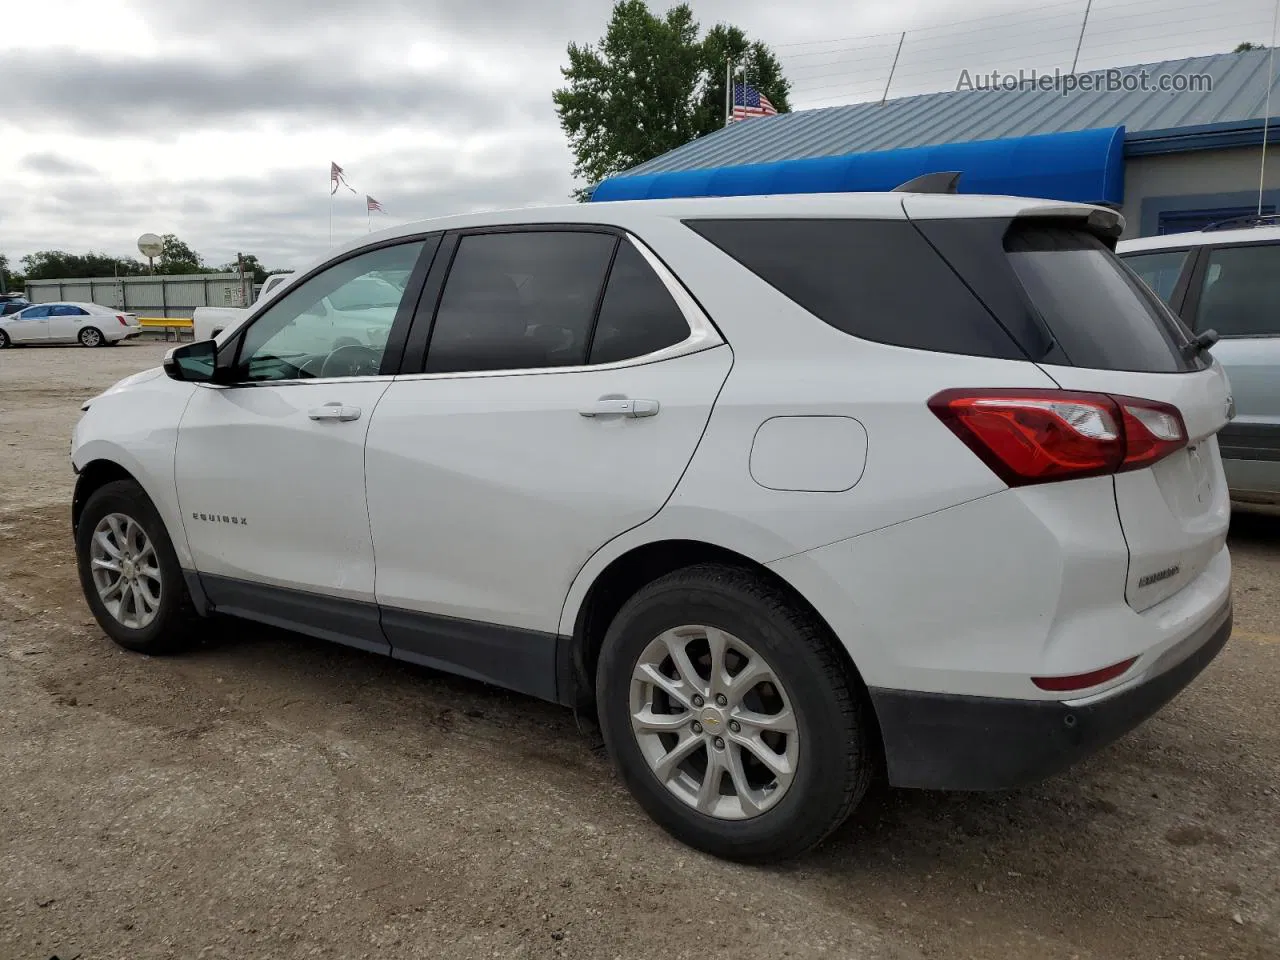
525,661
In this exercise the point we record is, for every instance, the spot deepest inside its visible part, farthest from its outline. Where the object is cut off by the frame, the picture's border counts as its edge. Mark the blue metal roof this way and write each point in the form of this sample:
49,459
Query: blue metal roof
1086,165
1229,115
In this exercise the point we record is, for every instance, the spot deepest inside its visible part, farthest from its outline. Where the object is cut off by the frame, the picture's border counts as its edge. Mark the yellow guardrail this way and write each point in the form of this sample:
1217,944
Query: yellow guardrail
180,323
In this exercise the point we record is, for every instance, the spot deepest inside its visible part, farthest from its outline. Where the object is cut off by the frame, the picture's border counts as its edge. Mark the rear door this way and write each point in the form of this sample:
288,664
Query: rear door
1236,291
567,381
1112,335
65,321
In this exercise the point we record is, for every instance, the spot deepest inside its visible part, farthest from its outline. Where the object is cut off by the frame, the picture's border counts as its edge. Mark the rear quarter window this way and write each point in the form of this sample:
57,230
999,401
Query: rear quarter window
1159,269
1099,312
878,280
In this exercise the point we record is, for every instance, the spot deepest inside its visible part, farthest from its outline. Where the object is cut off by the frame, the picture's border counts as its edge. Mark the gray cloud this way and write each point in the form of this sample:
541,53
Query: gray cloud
52,165
87,93
281,217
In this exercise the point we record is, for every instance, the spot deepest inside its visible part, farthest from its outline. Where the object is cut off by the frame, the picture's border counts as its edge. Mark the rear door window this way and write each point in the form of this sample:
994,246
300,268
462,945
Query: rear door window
1102,316
1159,269
1240,294
520,300
638,315
875,279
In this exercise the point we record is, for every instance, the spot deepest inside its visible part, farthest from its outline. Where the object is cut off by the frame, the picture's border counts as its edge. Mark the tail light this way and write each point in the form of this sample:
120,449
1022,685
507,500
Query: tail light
1040,436
123,321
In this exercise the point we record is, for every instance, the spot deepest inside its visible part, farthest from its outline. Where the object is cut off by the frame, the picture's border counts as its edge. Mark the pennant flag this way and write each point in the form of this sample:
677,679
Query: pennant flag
337,178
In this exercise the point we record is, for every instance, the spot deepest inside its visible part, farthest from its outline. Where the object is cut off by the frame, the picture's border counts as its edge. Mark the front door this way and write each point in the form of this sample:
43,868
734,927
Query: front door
270,468
30,325
554,413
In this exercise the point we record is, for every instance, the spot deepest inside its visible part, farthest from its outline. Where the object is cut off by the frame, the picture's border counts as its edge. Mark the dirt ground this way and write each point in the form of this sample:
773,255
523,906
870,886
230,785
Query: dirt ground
271,796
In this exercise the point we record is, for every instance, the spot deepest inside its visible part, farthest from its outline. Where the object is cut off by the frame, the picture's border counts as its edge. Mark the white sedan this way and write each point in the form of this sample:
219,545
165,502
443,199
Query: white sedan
89,324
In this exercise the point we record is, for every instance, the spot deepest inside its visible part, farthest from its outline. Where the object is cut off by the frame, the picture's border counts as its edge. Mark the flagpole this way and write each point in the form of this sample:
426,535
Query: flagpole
728,87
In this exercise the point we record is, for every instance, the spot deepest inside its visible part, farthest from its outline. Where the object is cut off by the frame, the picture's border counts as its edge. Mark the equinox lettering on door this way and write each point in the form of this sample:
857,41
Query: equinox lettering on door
220,518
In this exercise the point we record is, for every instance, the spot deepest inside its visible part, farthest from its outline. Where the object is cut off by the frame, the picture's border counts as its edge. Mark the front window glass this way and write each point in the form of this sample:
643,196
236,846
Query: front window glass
334,325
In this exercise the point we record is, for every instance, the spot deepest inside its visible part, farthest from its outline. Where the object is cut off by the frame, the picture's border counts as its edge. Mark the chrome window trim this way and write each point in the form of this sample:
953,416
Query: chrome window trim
703,334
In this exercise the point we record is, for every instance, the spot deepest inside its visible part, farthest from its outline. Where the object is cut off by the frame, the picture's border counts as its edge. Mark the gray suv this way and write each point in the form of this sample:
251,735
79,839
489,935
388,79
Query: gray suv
1227,278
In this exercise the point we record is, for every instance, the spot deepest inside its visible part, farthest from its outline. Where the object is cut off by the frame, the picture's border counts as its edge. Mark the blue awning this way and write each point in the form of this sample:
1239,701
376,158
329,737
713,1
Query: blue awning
1085,166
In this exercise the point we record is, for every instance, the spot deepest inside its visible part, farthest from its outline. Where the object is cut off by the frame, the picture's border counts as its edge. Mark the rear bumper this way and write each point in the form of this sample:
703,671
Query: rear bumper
946,742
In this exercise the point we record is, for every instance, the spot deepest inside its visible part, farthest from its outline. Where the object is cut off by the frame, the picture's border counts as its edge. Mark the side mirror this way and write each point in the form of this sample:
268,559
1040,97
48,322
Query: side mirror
193,362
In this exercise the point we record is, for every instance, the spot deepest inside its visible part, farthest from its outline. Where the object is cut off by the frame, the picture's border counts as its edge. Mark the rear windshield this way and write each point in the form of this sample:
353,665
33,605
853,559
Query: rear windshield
1100,313
875,279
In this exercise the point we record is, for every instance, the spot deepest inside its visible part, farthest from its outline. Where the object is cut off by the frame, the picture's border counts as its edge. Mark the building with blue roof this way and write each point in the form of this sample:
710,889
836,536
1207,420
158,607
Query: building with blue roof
1173,145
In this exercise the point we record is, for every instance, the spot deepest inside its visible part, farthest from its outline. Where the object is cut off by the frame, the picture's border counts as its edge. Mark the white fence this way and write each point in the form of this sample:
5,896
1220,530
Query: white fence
165,296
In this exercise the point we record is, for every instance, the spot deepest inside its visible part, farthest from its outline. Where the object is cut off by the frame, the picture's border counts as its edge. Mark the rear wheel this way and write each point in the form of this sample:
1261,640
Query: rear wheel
91,337
130,573
4,339
730,716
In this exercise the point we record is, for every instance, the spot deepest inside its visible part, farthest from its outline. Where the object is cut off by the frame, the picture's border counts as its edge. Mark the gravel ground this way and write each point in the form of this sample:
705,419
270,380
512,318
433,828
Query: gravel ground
269,795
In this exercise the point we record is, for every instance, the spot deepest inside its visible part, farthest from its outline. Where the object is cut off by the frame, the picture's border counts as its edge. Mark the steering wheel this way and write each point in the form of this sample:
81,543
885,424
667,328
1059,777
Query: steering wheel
352,360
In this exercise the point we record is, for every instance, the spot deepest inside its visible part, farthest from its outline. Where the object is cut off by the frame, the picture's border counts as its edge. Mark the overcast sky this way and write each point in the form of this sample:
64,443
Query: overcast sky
216,119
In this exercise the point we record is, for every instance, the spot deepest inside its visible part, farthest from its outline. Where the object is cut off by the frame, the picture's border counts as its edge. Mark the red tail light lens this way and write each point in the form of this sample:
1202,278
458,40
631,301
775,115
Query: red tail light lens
123,321
1152,431
1040,436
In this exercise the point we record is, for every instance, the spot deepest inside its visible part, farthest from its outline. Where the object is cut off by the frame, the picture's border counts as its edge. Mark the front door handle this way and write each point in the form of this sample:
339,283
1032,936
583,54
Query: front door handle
620,407
334,411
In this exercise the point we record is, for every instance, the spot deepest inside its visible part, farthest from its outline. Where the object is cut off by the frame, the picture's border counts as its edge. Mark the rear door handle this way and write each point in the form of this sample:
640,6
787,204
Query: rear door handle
334,411
620,407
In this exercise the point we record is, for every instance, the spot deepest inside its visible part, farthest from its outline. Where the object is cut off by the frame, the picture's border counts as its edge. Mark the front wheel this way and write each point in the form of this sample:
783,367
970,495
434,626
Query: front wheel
130,573
91,337
4,340
731,716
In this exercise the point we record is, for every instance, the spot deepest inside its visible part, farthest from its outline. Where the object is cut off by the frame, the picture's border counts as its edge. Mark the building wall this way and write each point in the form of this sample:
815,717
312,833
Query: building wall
1195,180
158,296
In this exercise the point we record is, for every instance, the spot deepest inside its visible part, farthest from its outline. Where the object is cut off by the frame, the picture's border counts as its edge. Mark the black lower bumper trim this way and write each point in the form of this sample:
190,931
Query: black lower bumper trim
944,742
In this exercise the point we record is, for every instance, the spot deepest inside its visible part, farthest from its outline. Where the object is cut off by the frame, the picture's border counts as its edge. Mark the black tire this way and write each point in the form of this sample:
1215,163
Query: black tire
87,335
176,622
4,340
836,761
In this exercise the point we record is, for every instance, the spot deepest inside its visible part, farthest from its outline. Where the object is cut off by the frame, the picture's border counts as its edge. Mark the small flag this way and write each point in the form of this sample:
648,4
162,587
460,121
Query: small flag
337,178
373,204
749,102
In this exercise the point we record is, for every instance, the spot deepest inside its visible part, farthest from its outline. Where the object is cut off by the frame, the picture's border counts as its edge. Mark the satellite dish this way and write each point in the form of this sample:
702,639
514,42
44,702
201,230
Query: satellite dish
149,245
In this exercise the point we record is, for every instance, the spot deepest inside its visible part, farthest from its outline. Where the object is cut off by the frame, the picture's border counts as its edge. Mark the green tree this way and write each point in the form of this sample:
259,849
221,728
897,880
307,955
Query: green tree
176,257
10,282
1247,46
251,266
58,265
650,85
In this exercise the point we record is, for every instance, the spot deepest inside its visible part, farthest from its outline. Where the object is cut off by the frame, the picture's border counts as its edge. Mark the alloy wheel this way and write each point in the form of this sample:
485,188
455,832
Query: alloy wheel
90,337
714,722
126,570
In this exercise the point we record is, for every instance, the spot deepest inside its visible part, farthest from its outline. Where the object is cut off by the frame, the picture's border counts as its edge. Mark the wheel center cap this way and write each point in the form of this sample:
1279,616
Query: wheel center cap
127,567
712,720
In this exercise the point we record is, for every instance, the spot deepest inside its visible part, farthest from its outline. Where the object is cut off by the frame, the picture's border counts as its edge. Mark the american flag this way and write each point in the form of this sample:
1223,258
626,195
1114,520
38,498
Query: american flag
749,102
373,204
336,178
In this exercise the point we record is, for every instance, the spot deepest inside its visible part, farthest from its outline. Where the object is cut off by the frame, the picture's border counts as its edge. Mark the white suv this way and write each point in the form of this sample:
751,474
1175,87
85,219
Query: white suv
789,490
